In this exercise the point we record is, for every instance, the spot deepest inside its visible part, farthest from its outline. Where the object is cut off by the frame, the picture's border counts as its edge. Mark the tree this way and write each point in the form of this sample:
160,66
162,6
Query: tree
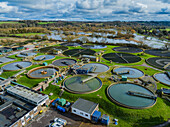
167,46
45,37
133,31
84,39
70,38
37,36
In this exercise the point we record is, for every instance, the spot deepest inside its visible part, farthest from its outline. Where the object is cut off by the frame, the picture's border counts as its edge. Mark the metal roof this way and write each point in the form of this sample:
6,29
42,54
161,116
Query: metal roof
27,94
85,105
8,110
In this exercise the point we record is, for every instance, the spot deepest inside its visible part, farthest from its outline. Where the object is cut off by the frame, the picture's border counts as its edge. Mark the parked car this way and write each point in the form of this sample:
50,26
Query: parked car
55,124
61,121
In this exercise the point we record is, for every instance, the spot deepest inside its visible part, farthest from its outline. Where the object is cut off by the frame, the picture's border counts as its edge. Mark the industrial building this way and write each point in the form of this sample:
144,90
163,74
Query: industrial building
5,49
19,104
84,108
17,48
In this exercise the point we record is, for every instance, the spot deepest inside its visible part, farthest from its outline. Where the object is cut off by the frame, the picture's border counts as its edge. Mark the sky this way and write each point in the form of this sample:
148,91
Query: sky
85,10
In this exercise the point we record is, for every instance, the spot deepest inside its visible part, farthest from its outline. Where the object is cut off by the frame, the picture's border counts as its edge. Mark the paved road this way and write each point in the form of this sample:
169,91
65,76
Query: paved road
45,119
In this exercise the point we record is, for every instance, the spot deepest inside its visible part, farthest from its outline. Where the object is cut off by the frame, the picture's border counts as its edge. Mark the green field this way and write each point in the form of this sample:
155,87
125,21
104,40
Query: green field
4,37
42,23
167,29
27,34
8,22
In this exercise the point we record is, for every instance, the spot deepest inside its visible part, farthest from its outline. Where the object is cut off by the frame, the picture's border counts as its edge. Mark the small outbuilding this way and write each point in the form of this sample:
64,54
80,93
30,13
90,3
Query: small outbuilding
57,51
124,78
62,102
92,58
84,108
45,63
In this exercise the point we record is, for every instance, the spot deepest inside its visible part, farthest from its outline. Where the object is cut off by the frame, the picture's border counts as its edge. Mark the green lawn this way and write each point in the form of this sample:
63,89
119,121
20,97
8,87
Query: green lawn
8,74
24,80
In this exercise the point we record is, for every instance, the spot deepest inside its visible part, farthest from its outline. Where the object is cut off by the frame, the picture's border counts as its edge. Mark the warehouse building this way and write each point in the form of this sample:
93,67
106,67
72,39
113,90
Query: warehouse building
84,108
19,104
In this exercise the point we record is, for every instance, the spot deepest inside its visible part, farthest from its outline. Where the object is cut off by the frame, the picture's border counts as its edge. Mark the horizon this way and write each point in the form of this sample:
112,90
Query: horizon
85,21
85,10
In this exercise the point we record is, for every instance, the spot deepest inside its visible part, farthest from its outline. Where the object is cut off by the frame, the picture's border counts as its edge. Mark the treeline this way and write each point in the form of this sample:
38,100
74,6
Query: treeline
160,33
24,30
134,24
156,29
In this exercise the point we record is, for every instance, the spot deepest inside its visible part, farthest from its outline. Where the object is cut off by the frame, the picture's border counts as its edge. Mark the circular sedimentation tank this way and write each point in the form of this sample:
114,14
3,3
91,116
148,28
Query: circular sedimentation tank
131,95
121,57
44,57
70,44
64,62
78,52
52,49
17,66
96,67
129,72
128,49
162,78
82,84
158,52
5,60
42,72
161,63
26,54
94,46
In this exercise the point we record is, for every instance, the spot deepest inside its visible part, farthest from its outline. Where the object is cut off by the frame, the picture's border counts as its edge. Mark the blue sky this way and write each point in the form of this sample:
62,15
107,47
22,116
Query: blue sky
85,10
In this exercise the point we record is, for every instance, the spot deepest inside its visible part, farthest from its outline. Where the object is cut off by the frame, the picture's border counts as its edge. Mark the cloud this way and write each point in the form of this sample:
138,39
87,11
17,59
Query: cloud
5,8
137,7
163,11
109,2
85,9
88,4
120,12
165,1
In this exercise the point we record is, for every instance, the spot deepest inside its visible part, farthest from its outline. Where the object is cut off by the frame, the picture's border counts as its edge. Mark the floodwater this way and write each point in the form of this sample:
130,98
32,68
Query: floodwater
149,41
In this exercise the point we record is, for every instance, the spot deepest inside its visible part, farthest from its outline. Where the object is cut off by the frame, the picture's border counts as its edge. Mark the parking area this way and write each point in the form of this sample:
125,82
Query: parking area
46,118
